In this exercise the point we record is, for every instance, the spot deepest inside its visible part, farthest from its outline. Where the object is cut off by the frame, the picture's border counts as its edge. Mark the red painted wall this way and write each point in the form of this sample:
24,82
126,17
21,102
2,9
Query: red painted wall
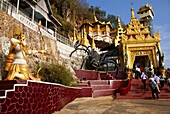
37,98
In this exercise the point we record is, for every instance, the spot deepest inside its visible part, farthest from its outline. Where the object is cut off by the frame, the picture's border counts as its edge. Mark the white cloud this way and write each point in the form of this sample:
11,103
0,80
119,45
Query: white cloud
164,32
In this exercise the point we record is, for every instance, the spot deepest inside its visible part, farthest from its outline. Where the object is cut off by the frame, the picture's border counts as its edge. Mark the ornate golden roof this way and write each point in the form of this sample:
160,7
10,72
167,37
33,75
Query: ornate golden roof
135,31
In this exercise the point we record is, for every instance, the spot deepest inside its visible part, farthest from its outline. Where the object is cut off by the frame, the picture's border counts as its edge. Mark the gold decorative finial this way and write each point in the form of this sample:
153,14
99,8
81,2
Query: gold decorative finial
94,16
132,12
118,21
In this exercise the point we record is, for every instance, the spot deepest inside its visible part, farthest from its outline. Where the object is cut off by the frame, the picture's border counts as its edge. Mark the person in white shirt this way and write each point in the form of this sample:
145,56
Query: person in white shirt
144,77
168,81
157,80
138,72
153,87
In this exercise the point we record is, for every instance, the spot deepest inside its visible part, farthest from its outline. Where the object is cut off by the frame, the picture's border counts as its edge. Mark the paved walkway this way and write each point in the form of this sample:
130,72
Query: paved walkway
105,105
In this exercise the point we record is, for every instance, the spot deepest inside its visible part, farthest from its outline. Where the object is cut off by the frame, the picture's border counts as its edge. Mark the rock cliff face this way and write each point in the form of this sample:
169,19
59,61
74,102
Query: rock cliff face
8,24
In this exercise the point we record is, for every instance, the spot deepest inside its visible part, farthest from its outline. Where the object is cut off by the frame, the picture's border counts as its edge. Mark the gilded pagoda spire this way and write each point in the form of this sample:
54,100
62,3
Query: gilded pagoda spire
118,21
132,12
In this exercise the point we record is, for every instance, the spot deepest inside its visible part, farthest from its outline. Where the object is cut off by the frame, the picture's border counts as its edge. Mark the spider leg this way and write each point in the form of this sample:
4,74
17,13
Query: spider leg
116,66
83,62
107,67
77,50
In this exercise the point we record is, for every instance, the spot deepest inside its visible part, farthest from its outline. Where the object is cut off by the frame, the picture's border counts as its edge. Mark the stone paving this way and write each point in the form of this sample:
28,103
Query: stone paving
106,105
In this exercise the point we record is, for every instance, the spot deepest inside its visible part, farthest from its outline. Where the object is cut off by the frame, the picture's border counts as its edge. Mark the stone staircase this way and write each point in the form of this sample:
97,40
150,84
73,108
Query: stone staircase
137,91
96,88
101,88
96,84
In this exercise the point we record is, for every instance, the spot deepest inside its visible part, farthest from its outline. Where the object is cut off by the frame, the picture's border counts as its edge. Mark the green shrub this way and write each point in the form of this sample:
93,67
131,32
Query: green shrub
56,73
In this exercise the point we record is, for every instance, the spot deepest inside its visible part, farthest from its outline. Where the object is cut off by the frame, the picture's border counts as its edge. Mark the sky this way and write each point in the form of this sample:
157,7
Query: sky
161,22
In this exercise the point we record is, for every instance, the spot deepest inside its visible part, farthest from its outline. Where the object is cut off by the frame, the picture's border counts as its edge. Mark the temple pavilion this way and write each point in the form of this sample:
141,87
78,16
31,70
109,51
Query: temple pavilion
136,42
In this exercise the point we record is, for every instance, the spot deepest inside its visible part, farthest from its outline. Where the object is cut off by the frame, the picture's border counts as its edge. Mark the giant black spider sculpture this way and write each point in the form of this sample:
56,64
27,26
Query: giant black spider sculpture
94,60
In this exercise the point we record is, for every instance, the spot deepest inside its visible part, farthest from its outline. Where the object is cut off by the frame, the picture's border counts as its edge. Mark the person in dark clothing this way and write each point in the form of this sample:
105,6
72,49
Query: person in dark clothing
162,81
149,72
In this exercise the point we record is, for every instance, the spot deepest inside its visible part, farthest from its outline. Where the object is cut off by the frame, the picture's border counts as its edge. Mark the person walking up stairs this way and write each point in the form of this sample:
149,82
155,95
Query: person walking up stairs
144,78
154,88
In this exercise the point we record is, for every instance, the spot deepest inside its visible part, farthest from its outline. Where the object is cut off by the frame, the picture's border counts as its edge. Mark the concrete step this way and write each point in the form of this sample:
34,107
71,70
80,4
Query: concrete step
96,75
133,97
100,87
144,96
103,76
99,82
140,87
106,92
135,81
83,84
136,87
87,74
146,91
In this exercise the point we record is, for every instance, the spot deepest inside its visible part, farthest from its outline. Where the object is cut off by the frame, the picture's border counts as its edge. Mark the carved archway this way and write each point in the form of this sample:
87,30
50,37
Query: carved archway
149,53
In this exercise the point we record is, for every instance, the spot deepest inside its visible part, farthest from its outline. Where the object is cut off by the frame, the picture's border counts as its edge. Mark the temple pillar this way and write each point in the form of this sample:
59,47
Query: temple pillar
17,6
33,13
55,32
128,73
163,73
46,24
0,74
1,4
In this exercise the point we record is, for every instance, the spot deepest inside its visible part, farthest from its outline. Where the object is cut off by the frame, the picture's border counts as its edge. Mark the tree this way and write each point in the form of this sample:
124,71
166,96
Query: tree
100,14
112,19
